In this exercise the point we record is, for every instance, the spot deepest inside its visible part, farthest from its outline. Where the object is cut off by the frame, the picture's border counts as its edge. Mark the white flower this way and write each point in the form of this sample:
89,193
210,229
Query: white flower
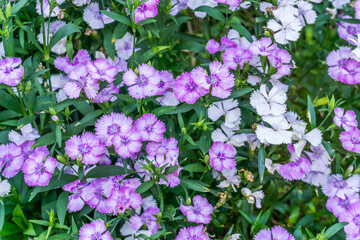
81,2
285,11
264,6
276,134
229,108
232,179
228,135
253,80
60,47
58,81
318,175
242,42
28,133
306,13
2,50
270,166
253,197
193,4
314,137
266,103
94,18
168,99
355,54
338,4
234,237
127,230
287,29
332,12
5,188
124,46
253,141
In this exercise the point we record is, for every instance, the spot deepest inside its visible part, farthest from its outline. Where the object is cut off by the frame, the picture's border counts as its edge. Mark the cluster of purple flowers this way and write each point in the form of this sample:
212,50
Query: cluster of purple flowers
277,232
35,163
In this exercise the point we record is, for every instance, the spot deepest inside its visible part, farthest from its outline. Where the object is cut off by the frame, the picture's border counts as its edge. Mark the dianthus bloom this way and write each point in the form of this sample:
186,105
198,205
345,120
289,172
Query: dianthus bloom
75,202
127,144
81,58
262,47
337,186
347,119
200,212
94,18
9,74
213,46
11,159
232,3
342,68
196,233
235,57
221,80
351,140
101,69
110,125
339,206
5,188
295,170
87,148
275,233
95,195
28,133
191,86
146,10
144,84
222,156
150,128
352,216
38,169
81,80
94,230
280,59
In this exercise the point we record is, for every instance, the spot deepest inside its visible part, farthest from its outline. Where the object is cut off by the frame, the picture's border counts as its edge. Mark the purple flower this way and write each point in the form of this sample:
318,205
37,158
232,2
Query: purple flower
123,199
75,202
221,79
9,74
101,69
352,216
60,47
295,170
232,3
164,152
38,169
339,206
27,150
337,186
148,217
87,148
200,212
94,230
28,133
357,10
144,85
146,10
213,46
150,128
106,94
348,30
11,159
81,80
222,156
189,87
124,46
351,140
64,64
195,233
280,59
275,233
342,68
94,18
127,144
235,57
95,195
347,120
262,47
110,125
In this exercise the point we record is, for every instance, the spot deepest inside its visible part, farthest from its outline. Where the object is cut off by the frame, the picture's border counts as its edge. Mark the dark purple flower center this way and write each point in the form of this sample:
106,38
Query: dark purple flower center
355,140
340,184
127,46
215,79
113,129
221,156
8,70
356,220
39,168
143,80
143,7
84,148
351,29
149,128
191,86
95,236
342,62
7,158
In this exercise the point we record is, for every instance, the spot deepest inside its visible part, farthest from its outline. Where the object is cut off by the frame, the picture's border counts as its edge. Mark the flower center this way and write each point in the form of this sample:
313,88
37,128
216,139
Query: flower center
113,129
84,148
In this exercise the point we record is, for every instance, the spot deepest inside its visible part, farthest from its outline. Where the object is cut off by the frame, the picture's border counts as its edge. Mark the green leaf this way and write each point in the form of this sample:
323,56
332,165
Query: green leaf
194,185
2,214
242,31
194,167
47,139
117,17
18,6
246,217
19,218
261,163
311,112
63,32
9,229
145,186
348,20
213,12
61,205
331,231
90,116
58,135
9,102
55,182
240,92
107,171
32,38
298,233
328,148
171,169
